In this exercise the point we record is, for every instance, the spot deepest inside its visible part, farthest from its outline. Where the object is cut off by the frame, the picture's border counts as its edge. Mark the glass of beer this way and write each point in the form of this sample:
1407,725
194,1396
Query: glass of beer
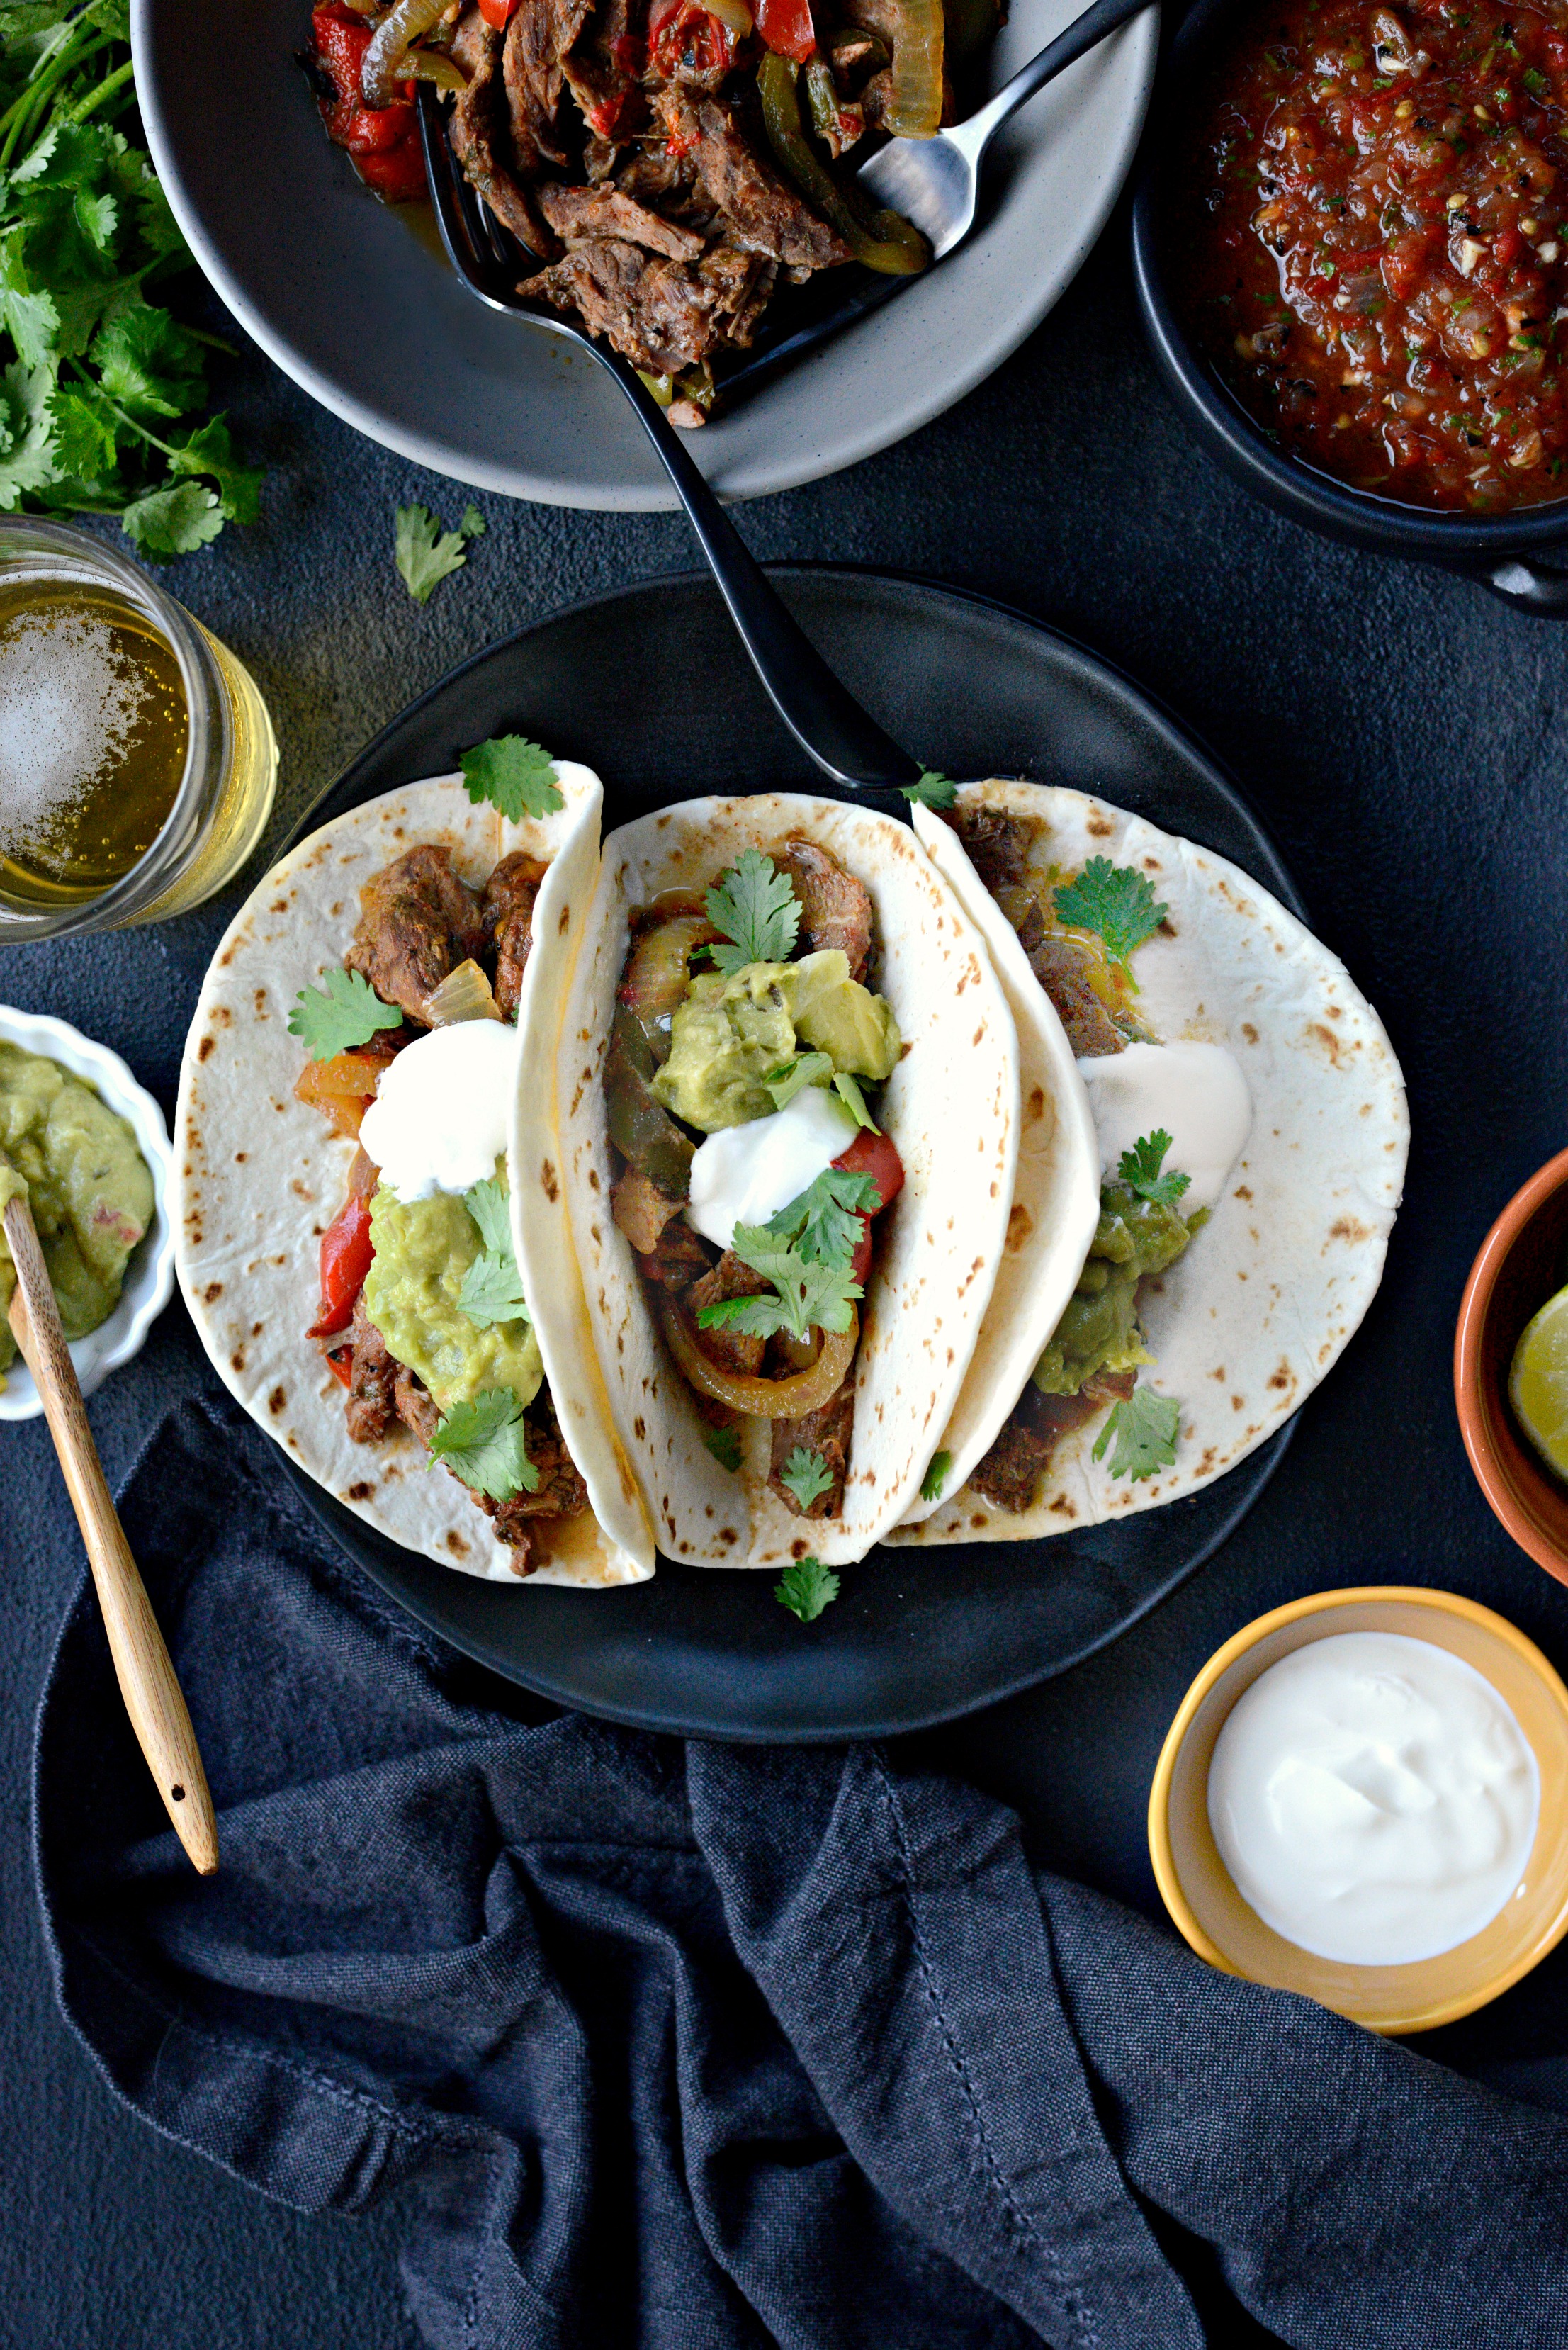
137,759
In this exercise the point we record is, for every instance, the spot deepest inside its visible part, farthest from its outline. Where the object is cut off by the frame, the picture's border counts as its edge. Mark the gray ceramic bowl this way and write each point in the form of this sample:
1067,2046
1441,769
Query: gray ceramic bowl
357,306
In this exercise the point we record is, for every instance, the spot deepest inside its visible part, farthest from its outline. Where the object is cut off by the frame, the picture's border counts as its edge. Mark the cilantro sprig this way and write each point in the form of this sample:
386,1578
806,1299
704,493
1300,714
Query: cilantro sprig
936,1477
492,1289
788,1080
101,389
425,552
1139,1169
514,776
1144,1429
848,1088
806,1588
757,910
485,1442
1116,901
343,1011
824,1221
808,1476
806,1296
932,791
725,1447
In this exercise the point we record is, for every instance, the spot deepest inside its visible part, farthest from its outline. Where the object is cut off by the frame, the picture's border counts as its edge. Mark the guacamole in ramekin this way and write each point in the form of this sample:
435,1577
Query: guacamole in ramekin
89,1188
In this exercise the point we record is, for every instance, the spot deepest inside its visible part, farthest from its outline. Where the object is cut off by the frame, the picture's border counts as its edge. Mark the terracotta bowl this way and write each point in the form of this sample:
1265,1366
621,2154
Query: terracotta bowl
1210,1914
1522,1263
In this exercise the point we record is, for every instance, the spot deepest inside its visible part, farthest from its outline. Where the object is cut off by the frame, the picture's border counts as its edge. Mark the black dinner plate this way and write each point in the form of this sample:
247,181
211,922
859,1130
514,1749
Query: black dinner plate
649,688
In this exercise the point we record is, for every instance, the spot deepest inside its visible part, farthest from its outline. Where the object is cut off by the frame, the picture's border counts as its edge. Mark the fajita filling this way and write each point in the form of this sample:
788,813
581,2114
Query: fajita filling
422,1317
741,1087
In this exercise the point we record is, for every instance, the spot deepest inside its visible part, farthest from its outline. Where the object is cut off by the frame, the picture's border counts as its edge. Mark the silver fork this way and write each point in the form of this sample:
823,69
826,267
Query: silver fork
820,711
935,182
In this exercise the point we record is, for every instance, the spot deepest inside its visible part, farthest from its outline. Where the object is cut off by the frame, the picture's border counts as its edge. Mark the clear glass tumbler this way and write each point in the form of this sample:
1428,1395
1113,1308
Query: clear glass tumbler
225,794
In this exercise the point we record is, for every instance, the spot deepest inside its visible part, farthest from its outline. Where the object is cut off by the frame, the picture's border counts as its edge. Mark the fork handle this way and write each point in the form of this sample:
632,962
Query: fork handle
1085,33
820,711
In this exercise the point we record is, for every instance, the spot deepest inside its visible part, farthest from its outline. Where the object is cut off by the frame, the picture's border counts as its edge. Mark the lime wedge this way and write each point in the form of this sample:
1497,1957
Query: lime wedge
1538,1382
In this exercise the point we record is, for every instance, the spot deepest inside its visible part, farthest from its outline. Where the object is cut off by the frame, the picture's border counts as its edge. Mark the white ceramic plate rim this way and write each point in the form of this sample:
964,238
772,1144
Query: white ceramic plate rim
149,1275
908,405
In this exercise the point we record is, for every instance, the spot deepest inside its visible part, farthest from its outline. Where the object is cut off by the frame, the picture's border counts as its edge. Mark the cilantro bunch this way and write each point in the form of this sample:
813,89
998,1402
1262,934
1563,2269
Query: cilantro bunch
101,390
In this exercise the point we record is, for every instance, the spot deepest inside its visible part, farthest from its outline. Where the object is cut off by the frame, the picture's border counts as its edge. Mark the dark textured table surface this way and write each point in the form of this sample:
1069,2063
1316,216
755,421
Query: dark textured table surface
1399,732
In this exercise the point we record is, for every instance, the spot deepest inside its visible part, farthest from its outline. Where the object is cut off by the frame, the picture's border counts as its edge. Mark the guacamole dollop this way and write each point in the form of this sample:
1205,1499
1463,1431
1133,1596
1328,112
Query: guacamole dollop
423,1248
87,1184
731,1034
1099,1328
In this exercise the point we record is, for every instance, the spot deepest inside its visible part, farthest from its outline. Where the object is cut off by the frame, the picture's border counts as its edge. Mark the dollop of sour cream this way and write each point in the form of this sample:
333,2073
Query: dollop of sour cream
1196,1092
439,1117
744,1174
1374,1799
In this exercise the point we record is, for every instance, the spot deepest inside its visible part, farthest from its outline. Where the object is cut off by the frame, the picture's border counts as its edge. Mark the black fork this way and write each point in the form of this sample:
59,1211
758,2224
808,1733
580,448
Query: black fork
825,717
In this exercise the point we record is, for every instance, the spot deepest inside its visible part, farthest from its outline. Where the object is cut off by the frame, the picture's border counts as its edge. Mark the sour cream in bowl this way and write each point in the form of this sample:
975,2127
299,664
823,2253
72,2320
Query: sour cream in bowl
1364,1798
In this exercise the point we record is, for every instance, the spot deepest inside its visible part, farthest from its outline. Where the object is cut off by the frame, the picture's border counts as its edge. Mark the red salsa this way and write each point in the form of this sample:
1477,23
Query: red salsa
1378,261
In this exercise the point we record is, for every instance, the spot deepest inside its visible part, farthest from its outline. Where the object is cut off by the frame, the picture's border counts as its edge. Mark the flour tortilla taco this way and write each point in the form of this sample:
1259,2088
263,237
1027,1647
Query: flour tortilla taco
1251,1136
366,1310
782,1156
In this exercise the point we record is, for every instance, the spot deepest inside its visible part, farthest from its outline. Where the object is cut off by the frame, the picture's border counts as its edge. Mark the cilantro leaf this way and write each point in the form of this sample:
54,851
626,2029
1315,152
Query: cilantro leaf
1139,1169
848,1088
85,434
28,316
753,905
145,360
1114,900
492,1288
172,521
806,1588
26,433
932,791
810,1295
936,1477
808,1476
343,1011
806,1069
1145,1428
473,523
209,450
514,776
824,1221
725,1447
486,1444
425,553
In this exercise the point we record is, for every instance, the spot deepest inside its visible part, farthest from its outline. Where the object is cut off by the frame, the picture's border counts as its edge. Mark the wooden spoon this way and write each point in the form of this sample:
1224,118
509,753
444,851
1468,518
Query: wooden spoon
142,1663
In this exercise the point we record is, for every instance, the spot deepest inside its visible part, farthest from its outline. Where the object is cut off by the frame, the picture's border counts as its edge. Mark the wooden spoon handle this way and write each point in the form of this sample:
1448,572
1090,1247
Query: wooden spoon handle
141,1662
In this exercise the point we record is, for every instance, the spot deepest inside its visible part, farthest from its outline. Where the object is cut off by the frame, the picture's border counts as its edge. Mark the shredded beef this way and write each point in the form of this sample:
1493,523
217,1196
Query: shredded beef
368,1403
577,214
835,909
596,72
417,1408
661,315
826,1433
537,40
1063,966
1011,1471
728,1349
476,135
416,921
763,211
560,1492
642,1210
508,914
998,844
678,1257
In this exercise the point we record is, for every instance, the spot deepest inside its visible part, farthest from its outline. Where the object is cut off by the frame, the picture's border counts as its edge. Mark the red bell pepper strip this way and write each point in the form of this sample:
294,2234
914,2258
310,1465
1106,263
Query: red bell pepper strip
384,140
498,13
346,1256
787,28
876,1155
341,1365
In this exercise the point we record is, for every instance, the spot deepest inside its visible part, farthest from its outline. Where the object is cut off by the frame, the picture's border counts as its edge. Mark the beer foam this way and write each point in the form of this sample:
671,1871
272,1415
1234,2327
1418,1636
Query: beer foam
70,703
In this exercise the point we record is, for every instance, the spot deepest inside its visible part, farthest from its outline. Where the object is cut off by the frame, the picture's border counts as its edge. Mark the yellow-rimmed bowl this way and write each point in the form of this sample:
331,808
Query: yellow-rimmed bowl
1210,1914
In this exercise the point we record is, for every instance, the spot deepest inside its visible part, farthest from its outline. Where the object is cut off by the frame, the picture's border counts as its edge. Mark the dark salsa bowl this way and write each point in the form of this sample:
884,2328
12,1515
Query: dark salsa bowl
1418,239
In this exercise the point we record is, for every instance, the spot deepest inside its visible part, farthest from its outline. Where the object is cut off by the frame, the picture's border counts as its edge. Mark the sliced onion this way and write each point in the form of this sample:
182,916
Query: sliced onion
916,109
386,61
434,65
654,981
464,995
759,1398
731,13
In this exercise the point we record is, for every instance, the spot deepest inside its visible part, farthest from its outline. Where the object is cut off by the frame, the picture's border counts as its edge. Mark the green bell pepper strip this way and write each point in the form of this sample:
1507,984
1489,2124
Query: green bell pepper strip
888,243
